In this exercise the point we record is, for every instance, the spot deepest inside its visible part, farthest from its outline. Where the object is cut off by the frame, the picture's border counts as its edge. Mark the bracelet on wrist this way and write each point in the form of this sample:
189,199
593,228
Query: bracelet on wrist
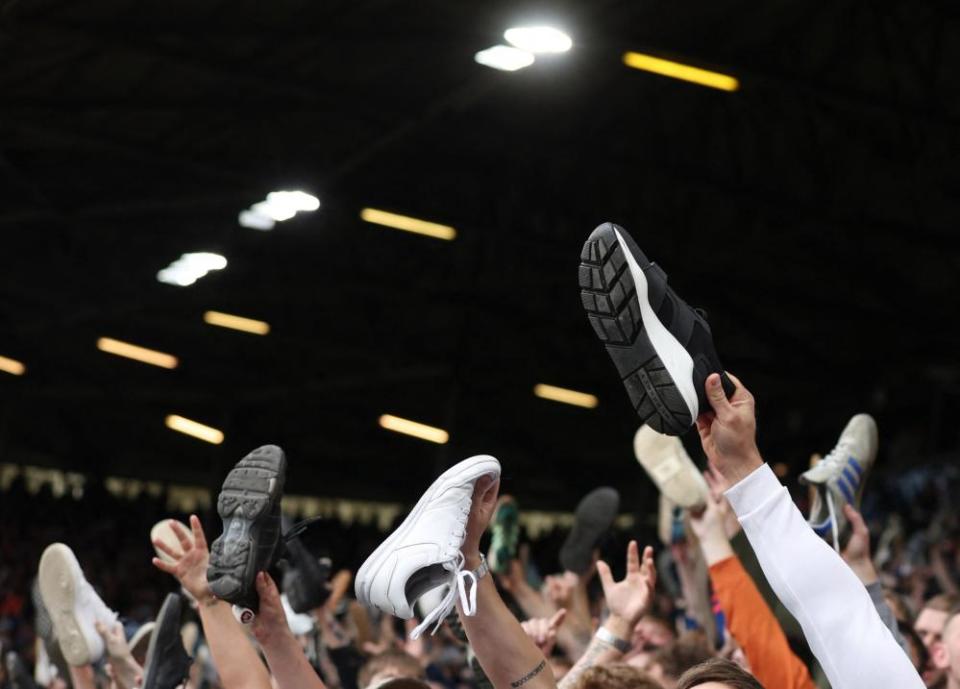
609,637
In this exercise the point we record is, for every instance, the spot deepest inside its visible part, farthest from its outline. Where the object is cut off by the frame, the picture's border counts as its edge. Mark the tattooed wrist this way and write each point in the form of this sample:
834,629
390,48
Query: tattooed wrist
530,675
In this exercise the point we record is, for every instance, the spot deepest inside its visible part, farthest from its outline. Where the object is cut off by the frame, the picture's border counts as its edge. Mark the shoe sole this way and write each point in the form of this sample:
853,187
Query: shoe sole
248,496
666,464
587,531
162,532
168,623
615,281
58,588
454,476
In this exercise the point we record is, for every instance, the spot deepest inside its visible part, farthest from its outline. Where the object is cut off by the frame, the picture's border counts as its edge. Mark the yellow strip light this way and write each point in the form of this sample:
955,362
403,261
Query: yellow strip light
408,224
12,366
194,429
676,70
417,430
141,354
247,325
578,399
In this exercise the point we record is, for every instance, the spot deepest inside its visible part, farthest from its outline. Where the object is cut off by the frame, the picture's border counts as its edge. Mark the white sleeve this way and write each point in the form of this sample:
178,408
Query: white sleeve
845,633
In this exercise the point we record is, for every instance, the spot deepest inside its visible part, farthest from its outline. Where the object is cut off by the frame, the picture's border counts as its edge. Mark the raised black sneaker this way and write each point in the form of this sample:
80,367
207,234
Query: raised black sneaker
167,663
305,576
593,518
662,348
249,505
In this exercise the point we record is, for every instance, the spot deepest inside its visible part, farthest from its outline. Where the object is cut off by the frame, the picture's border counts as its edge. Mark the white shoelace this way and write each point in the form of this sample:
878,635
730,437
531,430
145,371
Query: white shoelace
458,586
833,520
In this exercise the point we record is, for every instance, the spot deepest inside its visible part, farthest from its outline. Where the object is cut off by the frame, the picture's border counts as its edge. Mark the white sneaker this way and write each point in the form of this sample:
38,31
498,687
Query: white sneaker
669,466
839,477
73,605
424,552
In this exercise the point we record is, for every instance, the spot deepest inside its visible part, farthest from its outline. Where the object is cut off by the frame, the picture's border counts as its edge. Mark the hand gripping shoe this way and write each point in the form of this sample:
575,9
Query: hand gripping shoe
249,505
662,348
839,477
424,552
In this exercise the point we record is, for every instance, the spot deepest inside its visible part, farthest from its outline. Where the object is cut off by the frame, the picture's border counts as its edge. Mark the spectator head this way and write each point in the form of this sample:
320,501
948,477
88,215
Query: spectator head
389,665
946,652
616,676
929,627
671,661
933,617
718,673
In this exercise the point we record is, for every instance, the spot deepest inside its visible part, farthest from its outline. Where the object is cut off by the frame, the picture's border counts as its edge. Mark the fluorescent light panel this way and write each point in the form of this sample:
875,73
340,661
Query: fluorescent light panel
132,351
194,429
504,58
677,70
538,39
408,224
12,366
565,396
226,320
417,430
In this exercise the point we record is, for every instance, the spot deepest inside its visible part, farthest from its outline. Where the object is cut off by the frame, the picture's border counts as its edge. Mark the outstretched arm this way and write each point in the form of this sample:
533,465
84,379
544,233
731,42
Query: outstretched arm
507,655
857,556
234,656
286,659
854,647
627,601
748,616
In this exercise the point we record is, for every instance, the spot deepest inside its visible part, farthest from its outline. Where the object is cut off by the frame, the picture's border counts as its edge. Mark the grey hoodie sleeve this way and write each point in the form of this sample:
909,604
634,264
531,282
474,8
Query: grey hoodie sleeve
886,614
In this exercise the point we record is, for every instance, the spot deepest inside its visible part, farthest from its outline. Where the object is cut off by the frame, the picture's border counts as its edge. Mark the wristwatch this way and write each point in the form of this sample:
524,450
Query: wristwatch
606,635
483,569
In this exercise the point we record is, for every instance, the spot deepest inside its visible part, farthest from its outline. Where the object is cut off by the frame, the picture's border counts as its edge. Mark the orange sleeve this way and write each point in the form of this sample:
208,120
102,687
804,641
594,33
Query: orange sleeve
756,629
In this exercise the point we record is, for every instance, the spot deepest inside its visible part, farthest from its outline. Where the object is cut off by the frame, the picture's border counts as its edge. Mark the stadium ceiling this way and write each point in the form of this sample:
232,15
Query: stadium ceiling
812,212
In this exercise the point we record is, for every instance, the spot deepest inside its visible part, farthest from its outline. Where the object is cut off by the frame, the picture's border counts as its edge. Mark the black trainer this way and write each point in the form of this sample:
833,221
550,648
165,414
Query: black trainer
167,663
249,505
662,348
594,516
305,577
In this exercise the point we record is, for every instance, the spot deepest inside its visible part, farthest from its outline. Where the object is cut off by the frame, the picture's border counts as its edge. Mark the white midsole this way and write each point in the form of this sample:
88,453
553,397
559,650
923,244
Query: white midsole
672,354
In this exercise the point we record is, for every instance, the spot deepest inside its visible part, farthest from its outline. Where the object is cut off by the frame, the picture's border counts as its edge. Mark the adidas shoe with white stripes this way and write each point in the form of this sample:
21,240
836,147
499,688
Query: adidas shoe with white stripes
839,477
662,348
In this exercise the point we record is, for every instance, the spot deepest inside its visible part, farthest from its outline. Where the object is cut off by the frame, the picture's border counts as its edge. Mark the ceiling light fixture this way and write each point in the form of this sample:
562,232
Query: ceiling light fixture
137,353
677,70
538,39
226,320
504,58
189,268
194,429
408,224
565,396
277,207
415,429
12,366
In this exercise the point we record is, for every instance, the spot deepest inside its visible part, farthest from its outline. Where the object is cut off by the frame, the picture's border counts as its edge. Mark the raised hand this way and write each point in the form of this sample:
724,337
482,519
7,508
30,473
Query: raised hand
543,631
190,562
271,621
481,511
857,552
630,598
728,430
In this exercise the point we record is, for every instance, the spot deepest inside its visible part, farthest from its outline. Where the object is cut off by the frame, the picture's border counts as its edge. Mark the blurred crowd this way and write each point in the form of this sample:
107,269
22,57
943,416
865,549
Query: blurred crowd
913,518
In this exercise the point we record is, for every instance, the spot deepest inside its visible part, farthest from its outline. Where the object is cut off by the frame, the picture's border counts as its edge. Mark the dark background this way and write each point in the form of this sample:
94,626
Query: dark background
813,214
